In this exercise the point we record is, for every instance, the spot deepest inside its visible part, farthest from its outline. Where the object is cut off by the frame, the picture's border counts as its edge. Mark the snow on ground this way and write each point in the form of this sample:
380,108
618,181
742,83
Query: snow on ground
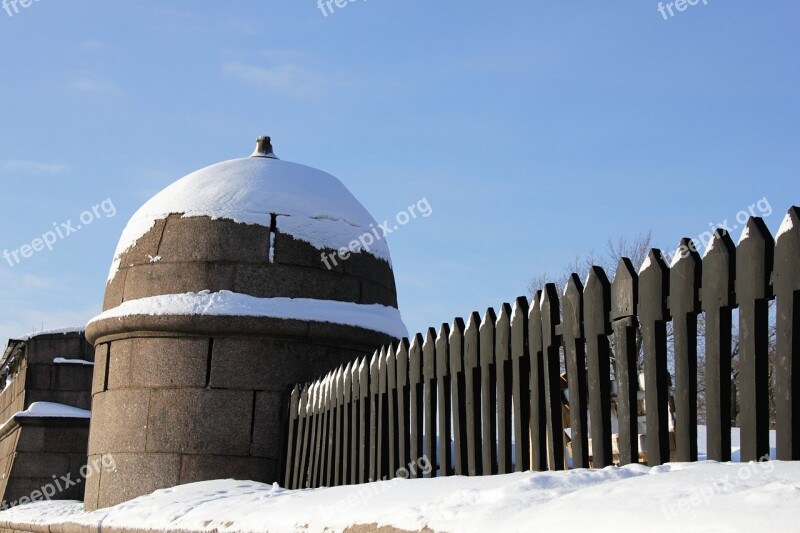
675,497
373,317
311,204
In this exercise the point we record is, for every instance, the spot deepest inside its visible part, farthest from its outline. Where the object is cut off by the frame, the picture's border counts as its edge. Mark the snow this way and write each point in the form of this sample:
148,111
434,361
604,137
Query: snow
645,264
786,226
154,259
311,205
745,234
710,246
63,331
674,497
53,410
373,317
62,361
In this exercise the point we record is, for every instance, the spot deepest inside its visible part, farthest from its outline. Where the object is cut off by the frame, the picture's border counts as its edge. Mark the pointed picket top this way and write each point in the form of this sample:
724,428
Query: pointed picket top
551,315
429,354
719,267
402,363
654,287
457,346
347,383
503,333
374,382
489,317
754,261
535,325
572,307
685,278
303,409
787,254
624,290
519,311
382,370
415,359
312,399
487,336
471,341
336,383
363,378
790,224
443,351
686,251
519,327
597,295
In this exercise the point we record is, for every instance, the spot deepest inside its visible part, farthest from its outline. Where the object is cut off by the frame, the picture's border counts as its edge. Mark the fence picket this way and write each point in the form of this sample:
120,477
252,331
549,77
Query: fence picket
717,301
486,334
429,398
520,384
597,328
754,260
472,382
624,301
654,315
415,400
364,435
391,399
403,413
443,400
502,350
458,392
298,476
685,275
537,388
786,281
551,348
575,358
291,434
347,423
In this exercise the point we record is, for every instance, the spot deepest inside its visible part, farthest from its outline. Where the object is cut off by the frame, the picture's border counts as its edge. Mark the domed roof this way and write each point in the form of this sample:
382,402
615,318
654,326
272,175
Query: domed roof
309,204
251,237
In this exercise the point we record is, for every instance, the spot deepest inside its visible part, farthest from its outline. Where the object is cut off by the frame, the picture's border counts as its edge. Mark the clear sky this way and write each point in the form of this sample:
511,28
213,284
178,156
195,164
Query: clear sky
536,130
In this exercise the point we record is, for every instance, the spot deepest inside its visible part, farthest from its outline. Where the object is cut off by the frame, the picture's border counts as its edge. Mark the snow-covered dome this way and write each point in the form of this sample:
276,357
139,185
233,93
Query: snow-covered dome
251,234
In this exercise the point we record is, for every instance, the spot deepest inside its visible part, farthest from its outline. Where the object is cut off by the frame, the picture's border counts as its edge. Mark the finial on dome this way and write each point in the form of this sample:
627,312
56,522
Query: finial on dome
263,148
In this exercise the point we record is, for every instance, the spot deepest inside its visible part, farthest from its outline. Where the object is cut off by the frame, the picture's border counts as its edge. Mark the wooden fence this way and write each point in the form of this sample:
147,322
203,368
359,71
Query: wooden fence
485,396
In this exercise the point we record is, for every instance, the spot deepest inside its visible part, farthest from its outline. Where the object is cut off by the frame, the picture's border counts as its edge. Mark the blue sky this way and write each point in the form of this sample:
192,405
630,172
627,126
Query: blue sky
536,130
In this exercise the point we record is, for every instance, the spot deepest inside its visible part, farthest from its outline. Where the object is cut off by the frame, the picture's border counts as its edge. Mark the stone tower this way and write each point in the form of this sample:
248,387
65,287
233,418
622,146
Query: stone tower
226,289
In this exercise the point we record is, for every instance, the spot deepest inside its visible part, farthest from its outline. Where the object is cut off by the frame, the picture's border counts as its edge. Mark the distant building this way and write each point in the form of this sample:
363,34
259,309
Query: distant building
44,412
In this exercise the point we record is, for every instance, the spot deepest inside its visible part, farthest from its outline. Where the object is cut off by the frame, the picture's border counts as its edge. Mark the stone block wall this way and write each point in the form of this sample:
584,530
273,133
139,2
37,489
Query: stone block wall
180,409
33,450
225,255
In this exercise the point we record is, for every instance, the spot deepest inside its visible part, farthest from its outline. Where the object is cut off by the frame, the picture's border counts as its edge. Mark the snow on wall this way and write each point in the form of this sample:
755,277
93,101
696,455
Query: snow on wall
373,317
311,205
53,410
62,331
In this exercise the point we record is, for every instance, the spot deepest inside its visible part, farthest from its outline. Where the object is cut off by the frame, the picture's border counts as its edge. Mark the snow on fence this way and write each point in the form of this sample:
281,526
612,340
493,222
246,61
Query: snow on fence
485,397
